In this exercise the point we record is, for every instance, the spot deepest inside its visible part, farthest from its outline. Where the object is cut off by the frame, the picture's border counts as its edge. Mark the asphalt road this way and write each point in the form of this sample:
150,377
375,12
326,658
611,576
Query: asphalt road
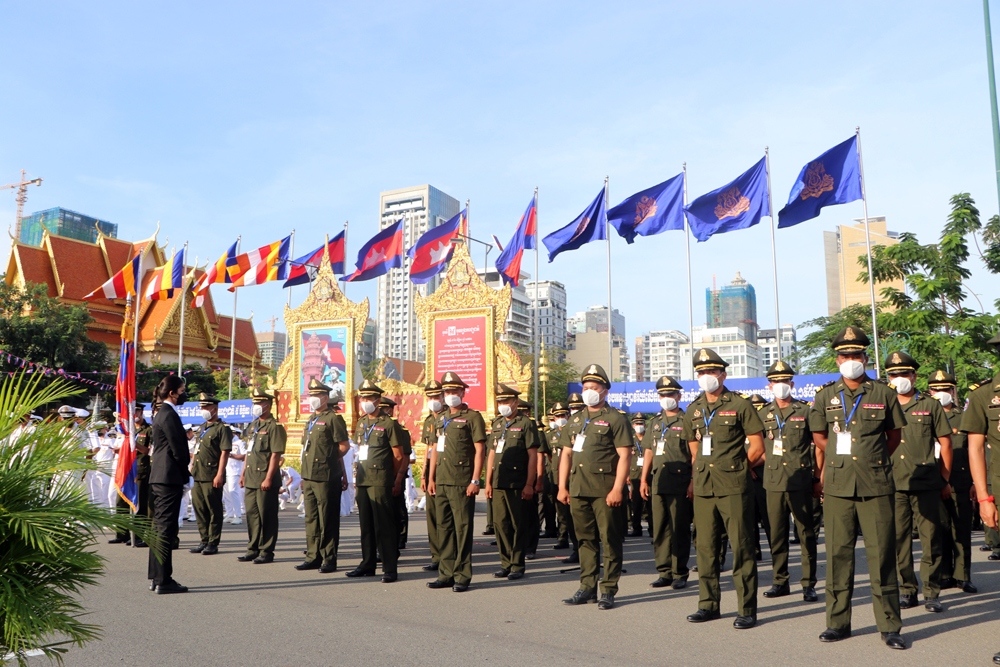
243,614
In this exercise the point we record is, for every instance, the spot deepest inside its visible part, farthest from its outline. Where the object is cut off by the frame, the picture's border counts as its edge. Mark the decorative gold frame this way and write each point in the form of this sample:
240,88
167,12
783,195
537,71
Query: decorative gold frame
349,356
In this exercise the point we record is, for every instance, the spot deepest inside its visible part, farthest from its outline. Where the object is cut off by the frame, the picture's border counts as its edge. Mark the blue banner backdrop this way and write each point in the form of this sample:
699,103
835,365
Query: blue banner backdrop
231,412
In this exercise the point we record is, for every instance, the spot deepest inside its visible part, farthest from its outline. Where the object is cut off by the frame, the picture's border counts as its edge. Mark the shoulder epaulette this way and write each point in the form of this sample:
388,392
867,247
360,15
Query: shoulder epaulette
824,386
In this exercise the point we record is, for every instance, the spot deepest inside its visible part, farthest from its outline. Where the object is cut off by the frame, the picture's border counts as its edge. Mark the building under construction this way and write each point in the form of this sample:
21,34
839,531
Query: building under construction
65,223
732,306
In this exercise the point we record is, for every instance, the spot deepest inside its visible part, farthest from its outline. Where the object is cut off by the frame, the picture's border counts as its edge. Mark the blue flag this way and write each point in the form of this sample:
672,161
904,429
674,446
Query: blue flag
654,210
832,178
736,205
591,225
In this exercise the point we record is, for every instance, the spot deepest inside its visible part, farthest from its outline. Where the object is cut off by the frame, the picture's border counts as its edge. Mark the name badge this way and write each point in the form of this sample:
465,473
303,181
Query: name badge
937,450
363,453
250,444
659,447
778,449
844,443
500,443
440,445
640,461
578,442
706,446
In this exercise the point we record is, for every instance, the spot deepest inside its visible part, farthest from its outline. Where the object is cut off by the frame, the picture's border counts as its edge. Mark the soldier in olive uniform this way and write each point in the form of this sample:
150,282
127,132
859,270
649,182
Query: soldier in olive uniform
760,494
574,404
921,467
788,480
324,442
143,438
380,460
533,517
668,486
428,436
956,552
511,470
856,424
456,468
593,471
566,535
261,479
387,406
716,425
637,505
211,455
547,496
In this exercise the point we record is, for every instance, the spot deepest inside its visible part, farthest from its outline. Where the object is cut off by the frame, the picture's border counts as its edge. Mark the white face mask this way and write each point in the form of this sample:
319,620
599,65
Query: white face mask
640,429
591,397
206,415
852,369
434,405
552,424
562,421
781,390
943,397
902,385
668,403
257,410
453,400
505,410
708,383
314,403
367,407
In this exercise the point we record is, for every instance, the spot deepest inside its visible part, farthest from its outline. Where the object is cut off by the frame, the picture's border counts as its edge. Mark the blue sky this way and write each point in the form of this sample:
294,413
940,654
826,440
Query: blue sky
219,119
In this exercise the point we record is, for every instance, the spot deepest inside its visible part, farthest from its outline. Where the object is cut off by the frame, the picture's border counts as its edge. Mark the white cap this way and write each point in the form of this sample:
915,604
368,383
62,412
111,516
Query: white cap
67,410
83,414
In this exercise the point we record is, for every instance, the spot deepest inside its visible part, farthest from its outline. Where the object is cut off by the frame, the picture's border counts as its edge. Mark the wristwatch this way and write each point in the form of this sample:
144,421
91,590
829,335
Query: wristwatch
475,481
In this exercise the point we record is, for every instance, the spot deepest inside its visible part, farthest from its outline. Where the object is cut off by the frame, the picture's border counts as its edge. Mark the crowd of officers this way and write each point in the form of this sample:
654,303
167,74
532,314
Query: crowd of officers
865,457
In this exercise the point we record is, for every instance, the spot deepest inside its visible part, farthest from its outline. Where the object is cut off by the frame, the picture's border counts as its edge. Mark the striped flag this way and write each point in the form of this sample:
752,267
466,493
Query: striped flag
127,471
214,274
262,265
126,282
167,278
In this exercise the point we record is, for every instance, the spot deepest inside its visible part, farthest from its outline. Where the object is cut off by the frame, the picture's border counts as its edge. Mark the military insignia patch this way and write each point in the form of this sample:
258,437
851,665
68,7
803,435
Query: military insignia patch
731,203
704,356
834,401
770,415
895,358
697,413
849,334
995,400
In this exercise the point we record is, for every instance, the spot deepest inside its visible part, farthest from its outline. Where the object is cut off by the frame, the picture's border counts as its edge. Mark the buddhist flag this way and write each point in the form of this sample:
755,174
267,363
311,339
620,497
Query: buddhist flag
214,274
167,278
126,282
262,265
736,205
832,178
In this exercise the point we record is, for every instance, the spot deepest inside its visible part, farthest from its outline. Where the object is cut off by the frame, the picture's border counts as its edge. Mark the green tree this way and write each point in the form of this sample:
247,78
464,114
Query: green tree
561,373
814,350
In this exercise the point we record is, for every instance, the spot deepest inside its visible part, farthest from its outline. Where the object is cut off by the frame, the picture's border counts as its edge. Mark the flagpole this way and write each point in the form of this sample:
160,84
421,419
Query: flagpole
180,344
232,334
868,245
774,255
607,234
687,245
534,306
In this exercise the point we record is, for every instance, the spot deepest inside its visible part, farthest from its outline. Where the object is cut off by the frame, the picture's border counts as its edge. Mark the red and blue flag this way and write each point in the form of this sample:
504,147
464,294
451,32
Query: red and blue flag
383,252
126,472
509,262
432,251
303,270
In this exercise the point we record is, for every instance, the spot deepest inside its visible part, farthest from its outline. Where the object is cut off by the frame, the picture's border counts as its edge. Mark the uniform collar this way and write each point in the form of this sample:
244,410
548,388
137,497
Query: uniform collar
864,387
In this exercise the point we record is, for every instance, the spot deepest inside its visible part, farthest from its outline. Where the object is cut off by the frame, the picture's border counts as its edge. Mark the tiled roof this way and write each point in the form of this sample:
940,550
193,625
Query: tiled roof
34,266
79,266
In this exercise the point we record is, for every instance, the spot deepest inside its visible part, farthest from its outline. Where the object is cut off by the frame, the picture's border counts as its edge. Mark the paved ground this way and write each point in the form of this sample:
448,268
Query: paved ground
242,614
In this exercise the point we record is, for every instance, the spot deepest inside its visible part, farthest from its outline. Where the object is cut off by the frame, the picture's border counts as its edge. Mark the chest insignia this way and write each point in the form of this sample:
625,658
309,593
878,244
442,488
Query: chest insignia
727,413
697,413
834,401
601,423
873,406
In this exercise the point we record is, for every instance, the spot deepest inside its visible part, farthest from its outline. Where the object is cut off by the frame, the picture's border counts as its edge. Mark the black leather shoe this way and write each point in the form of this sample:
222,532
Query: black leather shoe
460,588
574,559
198,549
139,544
833,635
948,583
489,531
210,550
996,658
966,587
246,558
809,595
358,572
119,540
388,578
607,601
635,533
993,556
777,591
308,565
581,597
933,606
263,559
530,556
702,615
985,547
430,568
514,576
501,573
328,567
402,545
561,544
171,587
493,543
893,640
907,601
679,583
744,622
440,583
661,582
152,585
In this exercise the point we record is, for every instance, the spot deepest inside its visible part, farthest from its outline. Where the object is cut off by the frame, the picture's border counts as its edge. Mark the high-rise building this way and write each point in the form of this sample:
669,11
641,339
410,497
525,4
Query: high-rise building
518,329
595,318
842,249
587,341
421,208
273,347
767,340
551,314
658,353
66,223
730,343
733,305
366,350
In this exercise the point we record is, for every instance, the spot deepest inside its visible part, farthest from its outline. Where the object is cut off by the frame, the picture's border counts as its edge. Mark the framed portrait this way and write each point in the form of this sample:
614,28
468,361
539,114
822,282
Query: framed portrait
325,352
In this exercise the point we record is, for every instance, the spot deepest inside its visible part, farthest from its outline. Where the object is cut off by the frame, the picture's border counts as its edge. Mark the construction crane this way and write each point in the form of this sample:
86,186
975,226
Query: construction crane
21,198
272,320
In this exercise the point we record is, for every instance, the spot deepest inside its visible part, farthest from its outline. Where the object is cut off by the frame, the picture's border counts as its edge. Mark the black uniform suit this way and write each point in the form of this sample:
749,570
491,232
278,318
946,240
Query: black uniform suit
168,475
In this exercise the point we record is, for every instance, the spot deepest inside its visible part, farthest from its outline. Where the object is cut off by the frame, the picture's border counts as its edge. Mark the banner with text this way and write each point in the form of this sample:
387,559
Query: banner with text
460,347
231,412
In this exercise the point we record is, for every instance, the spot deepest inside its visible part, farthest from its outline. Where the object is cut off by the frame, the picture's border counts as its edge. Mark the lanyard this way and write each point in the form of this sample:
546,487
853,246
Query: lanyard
777,418
312,422
260,425
848,417
710,415
367,433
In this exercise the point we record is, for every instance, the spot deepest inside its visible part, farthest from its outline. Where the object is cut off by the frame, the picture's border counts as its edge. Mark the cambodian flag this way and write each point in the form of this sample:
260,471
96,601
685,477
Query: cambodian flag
509,262
383,252
125,474
303,270
430,255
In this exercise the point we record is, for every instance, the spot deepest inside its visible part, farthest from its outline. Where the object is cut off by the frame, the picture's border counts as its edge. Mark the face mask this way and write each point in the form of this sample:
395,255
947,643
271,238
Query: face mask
182,398
367,407
852,369
434,405
257,410
552,424
591,397
562,421
943,397
505,410
781,390
668,403
314,403
708,383
902,385
640,429
206,415
453,400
